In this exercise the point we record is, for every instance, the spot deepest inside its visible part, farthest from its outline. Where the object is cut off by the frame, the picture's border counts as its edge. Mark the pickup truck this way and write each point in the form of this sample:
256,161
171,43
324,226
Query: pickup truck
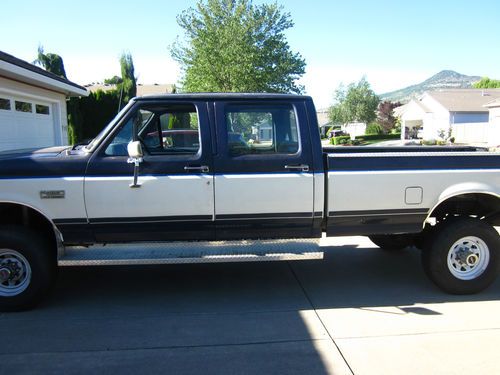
209,177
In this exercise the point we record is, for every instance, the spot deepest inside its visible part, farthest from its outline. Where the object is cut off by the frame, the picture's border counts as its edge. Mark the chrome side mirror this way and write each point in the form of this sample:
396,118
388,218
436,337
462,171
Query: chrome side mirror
134,150
135,154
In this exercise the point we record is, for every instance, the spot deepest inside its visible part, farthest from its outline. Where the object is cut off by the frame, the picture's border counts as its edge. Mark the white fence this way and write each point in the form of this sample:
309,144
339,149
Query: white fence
479,132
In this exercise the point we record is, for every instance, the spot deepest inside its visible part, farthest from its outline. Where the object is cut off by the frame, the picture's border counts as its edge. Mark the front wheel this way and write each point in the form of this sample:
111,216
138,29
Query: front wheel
462,256
27,268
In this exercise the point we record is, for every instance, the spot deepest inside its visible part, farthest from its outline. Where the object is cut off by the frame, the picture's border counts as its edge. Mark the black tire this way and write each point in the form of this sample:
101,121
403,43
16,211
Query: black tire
446,260
19,245
392,242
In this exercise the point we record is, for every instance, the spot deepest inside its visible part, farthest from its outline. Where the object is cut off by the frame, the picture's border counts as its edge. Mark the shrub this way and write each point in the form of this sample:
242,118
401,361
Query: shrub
341,140
374,137
374,128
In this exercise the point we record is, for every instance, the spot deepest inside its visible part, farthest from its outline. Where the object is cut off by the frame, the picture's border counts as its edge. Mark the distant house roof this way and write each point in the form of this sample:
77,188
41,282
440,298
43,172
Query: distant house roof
399,111
493,104
142,89
13,68
465,100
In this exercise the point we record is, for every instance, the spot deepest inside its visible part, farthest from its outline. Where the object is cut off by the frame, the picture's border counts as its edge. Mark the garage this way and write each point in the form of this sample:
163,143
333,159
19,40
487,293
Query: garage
32,105
26,123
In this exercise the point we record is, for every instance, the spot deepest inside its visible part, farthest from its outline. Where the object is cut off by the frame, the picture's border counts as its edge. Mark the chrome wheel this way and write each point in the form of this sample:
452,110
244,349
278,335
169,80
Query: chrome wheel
15,273
468,258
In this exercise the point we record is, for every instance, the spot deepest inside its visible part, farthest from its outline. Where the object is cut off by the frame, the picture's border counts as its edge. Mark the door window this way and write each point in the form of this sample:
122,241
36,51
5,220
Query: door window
161,130
261,129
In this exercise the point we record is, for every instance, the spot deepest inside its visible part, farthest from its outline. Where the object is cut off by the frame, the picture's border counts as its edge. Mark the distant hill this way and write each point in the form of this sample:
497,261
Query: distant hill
446,79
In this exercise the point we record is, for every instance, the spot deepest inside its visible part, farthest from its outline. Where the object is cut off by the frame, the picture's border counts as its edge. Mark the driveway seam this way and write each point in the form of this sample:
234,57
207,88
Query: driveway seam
417,334
319,318
168,347
155,316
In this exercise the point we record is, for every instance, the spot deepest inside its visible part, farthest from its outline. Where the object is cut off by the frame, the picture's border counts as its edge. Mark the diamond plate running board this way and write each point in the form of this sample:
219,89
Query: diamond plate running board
191,252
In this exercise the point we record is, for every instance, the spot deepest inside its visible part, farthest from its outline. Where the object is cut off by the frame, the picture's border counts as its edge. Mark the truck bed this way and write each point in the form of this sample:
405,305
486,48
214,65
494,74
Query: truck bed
379,190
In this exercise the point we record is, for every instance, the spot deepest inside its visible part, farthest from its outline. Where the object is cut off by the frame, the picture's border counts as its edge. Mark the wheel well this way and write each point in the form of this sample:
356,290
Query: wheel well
480,205
21,215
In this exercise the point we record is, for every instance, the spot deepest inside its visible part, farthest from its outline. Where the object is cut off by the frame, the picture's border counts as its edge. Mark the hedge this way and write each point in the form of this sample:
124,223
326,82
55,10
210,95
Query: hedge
340,140
374,137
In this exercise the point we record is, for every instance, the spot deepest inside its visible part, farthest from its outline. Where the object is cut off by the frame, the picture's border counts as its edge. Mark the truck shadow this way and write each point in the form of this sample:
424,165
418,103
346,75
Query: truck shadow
349,276
352,277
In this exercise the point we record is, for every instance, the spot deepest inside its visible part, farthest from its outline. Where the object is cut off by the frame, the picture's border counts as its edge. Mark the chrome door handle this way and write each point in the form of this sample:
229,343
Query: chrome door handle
202,168
300,167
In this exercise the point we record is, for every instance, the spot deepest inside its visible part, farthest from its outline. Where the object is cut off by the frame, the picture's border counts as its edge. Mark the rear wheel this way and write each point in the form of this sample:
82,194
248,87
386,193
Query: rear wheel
27,268
462,256
392,242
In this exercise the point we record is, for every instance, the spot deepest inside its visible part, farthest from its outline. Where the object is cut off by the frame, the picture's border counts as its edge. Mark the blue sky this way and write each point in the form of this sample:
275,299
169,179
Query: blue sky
393,43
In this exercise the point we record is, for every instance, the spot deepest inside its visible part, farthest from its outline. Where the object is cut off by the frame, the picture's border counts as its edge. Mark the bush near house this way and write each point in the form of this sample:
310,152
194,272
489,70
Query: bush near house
374,128
363,139
375,137
340,140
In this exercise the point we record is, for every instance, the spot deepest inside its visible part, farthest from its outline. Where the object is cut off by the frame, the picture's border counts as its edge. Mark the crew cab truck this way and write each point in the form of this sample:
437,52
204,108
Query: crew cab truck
238,177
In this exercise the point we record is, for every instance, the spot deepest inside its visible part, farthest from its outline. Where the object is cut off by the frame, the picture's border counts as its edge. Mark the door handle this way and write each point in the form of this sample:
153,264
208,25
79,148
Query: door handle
300,167
202,169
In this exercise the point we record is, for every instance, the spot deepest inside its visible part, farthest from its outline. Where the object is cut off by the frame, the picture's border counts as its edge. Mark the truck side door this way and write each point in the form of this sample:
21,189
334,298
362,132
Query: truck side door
175,197
264,182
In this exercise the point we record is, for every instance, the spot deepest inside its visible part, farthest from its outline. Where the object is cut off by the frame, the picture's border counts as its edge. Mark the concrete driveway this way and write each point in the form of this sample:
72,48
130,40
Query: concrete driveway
361,311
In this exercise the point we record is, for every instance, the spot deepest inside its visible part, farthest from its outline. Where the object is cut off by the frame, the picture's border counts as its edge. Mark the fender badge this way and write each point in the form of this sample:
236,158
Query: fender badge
52,194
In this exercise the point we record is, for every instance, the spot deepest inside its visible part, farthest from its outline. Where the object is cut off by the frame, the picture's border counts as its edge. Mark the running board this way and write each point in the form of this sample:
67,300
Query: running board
190,252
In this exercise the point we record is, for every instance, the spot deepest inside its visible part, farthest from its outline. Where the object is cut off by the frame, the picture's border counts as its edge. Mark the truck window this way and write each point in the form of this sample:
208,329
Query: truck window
161,130
261,129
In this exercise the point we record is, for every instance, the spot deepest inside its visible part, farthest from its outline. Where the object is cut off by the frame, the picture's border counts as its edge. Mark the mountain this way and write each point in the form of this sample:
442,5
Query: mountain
446,79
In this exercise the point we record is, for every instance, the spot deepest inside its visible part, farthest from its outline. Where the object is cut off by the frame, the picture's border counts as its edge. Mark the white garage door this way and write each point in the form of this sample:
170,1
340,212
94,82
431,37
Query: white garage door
25,123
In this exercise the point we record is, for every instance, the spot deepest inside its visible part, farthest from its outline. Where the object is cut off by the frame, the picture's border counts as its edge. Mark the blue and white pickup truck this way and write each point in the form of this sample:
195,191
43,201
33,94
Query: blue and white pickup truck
238,177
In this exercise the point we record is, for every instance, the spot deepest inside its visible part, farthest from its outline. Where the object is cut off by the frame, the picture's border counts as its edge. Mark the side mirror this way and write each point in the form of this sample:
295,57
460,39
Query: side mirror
135,154
134,150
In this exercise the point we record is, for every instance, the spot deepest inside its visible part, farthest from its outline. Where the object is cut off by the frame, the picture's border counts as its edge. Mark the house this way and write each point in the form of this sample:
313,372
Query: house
494,120
324,122
458,112
32,105
263,132
142,89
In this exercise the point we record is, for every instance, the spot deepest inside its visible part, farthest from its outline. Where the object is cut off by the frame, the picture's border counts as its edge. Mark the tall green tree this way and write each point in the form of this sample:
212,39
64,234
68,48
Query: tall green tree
51,62
128,86
487,83
54,63
236,46
355,103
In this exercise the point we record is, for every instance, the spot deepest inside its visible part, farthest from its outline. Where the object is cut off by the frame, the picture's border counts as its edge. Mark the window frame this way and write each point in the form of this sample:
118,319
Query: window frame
49,111
8,100
23,102
146,105
264,105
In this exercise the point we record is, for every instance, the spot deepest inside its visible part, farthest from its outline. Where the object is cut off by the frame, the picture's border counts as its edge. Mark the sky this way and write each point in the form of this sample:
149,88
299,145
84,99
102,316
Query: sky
393,43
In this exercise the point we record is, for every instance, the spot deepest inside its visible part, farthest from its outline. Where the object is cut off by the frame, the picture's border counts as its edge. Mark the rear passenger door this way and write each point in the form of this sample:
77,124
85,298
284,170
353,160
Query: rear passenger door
263,170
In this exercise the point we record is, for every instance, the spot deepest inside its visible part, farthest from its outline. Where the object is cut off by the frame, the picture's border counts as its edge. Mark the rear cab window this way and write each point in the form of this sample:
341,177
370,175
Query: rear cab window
261,129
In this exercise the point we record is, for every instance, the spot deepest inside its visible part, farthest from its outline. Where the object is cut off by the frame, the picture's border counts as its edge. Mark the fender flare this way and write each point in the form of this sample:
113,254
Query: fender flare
462,189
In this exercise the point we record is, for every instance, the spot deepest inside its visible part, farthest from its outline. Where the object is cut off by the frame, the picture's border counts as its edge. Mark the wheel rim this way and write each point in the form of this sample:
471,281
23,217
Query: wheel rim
468,258
15,273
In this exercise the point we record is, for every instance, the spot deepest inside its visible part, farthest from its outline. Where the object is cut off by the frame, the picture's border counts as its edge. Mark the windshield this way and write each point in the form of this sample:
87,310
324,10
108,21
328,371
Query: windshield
92,145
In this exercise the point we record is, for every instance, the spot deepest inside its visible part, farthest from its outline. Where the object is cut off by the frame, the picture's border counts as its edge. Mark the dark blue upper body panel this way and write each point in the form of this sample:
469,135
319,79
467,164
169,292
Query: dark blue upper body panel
66,162
414,161
47,162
